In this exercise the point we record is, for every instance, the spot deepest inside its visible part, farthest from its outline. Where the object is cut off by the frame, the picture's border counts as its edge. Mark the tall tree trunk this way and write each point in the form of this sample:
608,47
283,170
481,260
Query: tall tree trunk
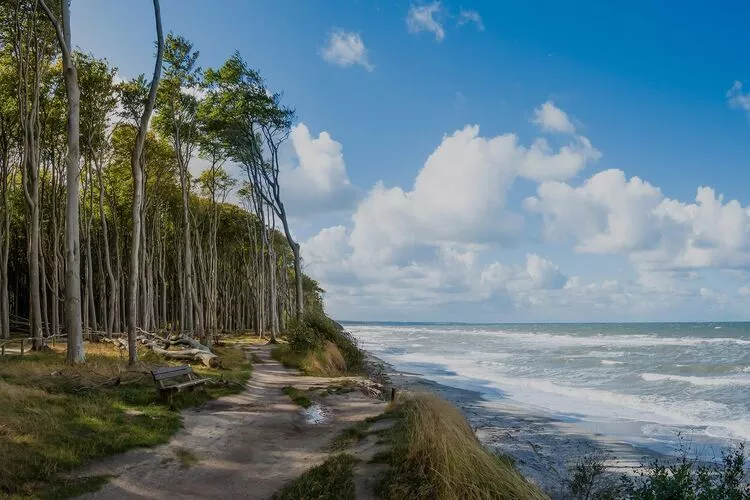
72,237
107,259
137,169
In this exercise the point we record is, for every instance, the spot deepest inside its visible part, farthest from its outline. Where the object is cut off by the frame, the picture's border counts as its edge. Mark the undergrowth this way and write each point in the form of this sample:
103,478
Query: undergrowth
684,477
319,346
332,480
54,417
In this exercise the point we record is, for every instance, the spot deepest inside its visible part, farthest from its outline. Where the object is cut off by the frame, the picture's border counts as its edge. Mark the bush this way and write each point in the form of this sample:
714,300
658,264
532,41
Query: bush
683,478
686,479
311,333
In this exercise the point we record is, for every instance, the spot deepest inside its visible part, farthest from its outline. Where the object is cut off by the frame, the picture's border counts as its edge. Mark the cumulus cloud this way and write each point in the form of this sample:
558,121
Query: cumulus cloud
470,16
426,18
737,98
550,118
459,194
346,49
313,176
609,213
537,274
431,248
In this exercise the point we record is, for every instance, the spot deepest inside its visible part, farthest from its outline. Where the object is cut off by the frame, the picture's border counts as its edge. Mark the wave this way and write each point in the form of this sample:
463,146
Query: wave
554,339
701,381
611,362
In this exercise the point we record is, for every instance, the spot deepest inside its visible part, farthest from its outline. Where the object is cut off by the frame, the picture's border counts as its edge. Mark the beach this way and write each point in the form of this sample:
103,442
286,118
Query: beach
509,414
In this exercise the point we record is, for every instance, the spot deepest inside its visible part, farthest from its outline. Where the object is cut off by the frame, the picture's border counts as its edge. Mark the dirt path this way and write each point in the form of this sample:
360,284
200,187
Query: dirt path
243,446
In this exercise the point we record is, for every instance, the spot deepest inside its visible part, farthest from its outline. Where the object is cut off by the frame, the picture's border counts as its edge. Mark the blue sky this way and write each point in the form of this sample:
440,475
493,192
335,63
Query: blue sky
632,90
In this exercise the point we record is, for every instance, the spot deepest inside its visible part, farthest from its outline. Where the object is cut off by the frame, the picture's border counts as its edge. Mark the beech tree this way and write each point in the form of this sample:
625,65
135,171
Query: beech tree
256,124
100,212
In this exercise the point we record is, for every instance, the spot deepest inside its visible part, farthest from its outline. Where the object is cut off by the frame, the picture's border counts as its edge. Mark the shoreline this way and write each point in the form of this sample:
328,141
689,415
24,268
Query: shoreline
544,448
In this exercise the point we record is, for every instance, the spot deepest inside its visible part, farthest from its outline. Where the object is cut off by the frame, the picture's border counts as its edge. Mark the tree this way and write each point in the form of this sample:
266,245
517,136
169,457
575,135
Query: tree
72,238
255,125
137,170
176,119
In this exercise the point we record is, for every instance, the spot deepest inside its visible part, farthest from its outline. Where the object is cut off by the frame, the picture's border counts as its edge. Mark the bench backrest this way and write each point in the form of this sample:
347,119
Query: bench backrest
171,372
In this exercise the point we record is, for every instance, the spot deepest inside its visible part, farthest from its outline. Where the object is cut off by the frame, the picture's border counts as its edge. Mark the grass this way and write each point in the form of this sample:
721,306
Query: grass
332,480
357,432
54,417
324,362
186,457
435,455
297,396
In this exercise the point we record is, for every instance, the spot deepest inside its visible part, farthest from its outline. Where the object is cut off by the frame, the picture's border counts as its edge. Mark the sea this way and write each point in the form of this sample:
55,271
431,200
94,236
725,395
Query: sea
656,385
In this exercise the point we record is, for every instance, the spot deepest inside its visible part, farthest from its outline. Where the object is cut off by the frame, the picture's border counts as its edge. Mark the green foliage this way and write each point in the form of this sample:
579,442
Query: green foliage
332,480
315,328
686,479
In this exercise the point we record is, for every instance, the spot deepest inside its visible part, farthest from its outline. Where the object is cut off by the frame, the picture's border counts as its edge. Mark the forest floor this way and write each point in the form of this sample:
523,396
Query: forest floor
252,444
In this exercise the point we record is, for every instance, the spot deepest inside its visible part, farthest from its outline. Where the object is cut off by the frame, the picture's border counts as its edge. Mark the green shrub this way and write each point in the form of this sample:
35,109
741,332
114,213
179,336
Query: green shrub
681,478
687,479
315,329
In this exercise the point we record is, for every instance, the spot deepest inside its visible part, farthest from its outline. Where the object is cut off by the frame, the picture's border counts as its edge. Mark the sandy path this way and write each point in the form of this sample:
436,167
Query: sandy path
247,446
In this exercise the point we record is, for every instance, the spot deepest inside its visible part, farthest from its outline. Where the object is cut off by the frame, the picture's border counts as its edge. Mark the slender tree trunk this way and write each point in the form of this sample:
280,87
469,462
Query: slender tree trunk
137,169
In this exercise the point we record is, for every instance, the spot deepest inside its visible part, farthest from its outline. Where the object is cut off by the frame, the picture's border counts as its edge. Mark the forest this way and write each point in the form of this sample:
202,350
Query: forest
106,224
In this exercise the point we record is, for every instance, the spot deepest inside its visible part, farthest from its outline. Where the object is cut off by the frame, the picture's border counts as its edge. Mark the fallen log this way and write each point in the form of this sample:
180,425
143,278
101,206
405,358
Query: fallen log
202,353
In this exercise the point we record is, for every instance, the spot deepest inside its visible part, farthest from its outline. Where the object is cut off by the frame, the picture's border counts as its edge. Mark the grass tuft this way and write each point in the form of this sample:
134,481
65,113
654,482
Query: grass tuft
297,396
186,457
435,455
332,480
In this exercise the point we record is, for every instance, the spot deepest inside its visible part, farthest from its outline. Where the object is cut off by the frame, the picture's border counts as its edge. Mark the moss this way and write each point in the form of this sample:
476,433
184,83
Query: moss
332,480
53,416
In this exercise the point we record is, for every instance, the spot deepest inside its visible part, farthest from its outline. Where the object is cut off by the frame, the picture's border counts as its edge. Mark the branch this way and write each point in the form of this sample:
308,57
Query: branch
58,31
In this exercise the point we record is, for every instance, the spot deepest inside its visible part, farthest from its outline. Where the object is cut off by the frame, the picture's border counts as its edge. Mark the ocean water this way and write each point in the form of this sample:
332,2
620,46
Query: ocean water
652,384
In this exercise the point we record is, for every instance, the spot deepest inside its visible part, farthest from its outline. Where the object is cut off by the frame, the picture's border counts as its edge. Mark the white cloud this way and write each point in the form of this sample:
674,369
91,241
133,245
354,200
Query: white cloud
459,194
537,274
737,98
541,163
433,250
611,214
313,176
550,118
346,49
470,16
426,18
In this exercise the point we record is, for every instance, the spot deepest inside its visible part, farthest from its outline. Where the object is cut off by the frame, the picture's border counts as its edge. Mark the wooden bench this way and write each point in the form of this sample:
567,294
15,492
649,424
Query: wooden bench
175,379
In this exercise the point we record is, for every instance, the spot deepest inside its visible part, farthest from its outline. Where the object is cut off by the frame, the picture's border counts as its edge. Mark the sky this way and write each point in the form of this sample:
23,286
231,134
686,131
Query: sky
494,161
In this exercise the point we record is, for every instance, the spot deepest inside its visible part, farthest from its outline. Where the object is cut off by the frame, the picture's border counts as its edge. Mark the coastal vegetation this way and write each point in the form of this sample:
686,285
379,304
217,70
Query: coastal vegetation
317,345
436,455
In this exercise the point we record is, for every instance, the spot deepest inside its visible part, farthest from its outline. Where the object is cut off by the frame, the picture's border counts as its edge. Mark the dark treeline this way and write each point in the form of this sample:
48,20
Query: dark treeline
197,264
